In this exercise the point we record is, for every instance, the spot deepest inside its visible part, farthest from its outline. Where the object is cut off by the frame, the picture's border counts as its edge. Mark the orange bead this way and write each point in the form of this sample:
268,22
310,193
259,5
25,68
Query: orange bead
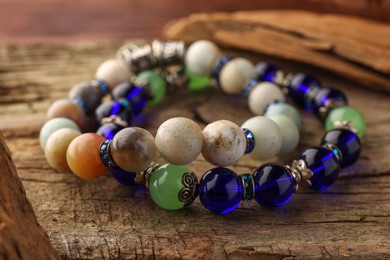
83,156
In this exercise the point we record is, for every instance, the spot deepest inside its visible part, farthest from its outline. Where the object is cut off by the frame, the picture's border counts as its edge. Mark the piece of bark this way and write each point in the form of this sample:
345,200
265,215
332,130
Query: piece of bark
354,48
21,237
102,219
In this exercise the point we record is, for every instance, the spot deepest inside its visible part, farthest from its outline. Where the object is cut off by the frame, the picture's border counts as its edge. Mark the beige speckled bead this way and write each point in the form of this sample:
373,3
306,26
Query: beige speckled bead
235,74
179,140
224,143
261,94
133,149
202,57
113,72
56,146
268,137
290,133
68,109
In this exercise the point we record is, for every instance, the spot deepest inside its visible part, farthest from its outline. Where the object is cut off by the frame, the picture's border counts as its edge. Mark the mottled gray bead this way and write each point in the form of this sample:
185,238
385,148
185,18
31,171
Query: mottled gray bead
88,95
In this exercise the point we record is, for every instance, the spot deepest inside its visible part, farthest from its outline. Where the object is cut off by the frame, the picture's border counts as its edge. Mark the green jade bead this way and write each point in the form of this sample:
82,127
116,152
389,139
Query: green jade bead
172,187
197,82
346,114
157,83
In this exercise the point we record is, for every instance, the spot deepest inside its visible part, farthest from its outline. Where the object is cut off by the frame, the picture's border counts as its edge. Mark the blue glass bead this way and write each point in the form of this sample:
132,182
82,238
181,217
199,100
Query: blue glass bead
300,88
274,185
250,140
220,190
136,95
109,130
120,109
347,142
222,61
324,165
122,176
266,72
326,95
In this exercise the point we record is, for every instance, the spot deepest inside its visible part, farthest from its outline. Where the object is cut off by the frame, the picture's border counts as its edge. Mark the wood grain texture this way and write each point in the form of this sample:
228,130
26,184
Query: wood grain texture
351,47
102,219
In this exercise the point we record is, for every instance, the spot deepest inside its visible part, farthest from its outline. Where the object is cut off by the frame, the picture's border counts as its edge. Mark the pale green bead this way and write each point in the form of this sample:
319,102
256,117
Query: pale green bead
197,82
286,110
169,185
53,125
290,133
346,114
157,83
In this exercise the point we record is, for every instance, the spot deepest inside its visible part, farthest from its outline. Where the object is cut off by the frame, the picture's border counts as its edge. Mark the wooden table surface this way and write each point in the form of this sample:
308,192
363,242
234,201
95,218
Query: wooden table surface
102,219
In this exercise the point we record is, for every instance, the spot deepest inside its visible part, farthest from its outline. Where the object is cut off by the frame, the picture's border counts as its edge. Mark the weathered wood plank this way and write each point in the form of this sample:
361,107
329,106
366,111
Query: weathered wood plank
102,219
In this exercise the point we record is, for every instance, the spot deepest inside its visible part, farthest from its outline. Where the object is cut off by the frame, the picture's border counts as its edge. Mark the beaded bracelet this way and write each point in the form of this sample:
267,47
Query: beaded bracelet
129,151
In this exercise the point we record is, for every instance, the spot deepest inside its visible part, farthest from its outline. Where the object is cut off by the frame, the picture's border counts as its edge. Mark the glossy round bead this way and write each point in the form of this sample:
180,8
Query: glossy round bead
347,142
324,165
301,87
197,82
201,57
261,95
346,114
235,74
179,140
274,185
67,108
133,149
283,109
325,96
172,187
136,96
88,95
266,72
123,177
290,134
224,143
268,137
53,125
83,156
56,146
158,86
112,108
108,131
220,190
113,72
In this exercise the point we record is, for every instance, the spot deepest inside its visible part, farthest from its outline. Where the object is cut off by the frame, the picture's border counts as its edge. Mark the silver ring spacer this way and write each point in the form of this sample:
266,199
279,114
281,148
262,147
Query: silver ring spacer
300,173
115,120
144,176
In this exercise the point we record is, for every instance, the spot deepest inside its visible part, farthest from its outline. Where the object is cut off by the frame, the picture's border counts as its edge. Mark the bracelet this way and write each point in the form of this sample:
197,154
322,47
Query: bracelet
128,152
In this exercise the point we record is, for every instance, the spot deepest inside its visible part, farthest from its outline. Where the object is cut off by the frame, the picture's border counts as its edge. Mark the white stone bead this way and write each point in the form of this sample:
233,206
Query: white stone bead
268,137
56,146
290,133
179,140
113,72
202,57
224,143
235,74
261,94
53,125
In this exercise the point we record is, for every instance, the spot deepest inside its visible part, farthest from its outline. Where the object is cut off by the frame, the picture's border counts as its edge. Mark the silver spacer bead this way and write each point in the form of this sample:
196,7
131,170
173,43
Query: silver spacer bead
144,176
190,190
168,53
285,81
335,150
345,125
175,78
328,106
280,77
137,57
115,120
301,174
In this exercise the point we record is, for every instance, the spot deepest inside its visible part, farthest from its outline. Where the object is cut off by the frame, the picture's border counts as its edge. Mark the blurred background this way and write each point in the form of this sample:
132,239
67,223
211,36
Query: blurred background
23,21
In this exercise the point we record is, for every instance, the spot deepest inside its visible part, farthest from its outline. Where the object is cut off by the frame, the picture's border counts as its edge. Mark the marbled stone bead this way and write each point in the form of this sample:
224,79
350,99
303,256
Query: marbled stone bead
235,74
261,95
224,143
290,134
201,57
268,137
88,95
56,146
133,149
179,140
53,125
283,109
67,108
112,72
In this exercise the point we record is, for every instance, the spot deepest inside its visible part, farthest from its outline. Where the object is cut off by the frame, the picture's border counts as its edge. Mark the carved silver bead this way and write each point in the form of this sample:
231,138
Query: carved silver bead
301,174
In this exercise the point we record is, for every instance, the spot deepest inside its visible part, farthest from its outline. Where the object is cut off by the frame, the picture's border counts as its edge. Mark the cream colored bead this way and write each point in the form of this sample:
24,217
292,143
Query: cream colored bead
268,137
52,126
56,146
202,57
179,140
113,72
235,74
290,133
261,95
224,143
